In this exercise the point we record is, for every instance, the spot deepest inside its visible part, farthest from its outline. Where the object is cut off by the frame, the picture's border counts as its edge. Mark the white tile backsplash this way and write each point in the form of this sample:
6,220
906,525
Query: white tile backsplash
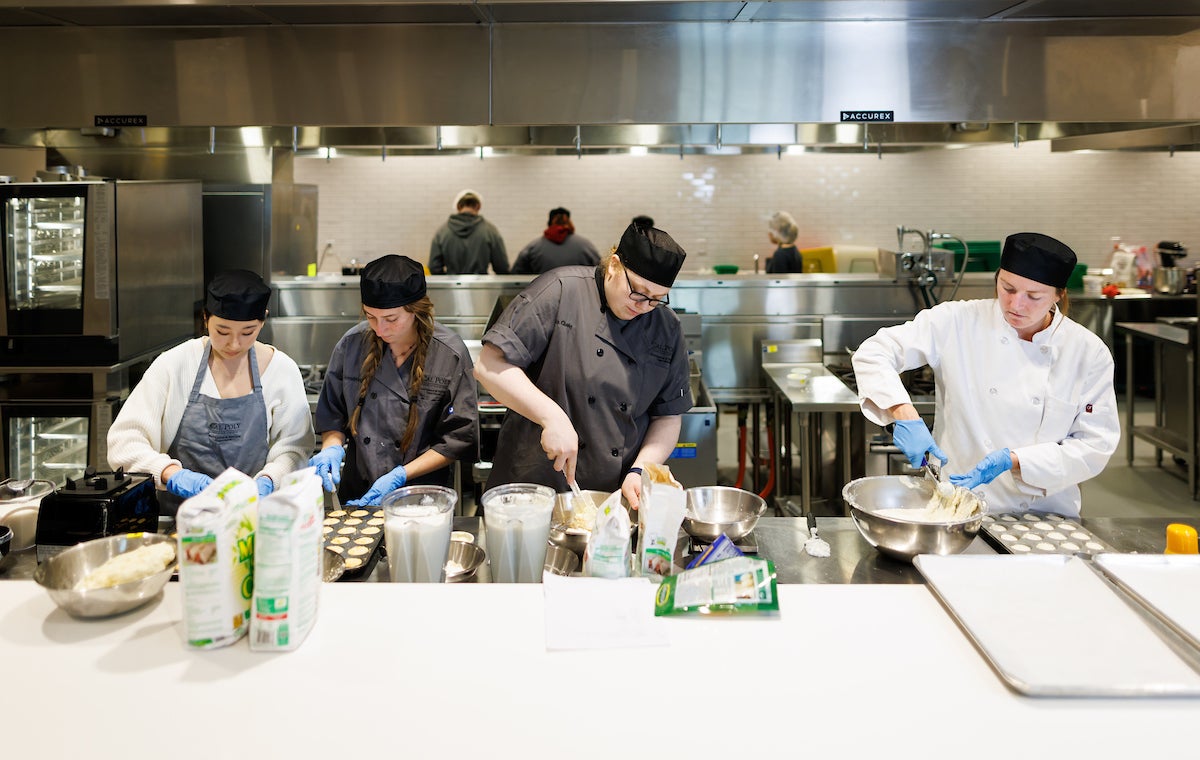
717,206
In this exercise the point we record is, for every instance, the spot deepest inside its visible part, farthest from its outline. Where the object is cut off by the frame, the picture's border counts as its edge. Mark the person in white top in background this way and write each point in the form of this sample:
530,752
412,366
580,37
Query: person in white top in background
215,402
1025,403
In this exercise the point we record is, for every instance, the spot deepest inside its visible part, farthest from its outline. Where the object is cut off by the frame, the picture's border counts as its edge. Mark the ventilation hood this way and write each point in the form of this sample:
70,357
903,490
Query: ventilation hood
206,76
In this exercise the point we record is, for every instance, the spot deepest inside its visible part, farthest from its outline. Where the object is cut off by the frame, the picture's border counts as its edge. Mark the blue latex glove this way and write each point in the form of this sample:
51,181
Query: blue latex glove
384,485
989,468
914,439
187,483
265,486
328,462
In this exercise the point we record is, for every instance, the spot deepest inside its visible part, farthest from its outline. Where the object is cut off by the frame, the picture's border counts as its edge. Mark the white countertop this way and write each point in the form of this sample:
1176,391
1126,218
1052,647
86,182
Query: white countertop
420,671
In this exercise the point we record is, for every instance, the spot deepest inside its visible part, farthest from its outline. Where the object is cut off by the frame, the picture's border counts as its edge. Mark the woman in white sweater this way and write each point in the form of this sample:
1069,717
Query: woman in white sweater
224,400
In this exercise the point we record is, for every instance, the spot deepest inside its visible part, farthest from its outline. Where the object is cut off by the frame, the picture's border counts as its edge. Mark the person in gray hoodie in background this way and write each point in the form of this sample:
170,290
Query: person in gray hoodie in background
558,246
467,242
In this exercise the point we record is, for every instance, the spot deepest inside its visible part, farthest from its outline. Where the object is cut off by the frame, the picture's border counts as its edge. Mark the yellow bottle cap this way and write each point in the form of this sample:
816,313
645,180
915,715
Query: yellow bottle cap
1181,539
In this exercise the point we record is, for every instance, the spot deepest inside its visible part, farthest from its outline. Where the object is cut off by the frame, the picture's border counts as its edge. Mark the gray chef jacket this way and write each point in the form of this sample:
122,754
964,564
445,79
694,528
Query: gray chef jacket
609,376
447,408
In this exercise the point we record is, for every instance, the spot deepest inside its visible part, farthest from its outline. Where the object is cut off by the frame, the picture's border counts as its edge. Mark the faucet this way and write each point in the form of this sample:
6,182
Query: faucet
903,232
911,259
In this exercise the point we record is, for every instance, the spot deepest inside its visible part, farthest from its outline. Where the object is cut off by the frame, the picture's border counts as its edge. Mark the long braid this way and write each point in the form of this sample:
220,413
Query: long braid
369,366
422,312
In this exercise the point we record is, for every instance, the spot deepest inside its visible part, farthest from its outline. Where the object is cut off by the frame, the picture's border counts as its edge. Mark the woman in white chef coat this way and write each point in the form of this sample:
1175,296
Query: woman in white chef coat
1025,403
220,401
399,402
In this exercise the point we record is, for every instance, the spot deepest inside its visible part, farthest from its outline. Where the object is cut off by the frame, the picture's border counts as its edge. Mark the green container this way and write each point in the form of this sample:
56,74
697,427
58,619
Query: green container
984,254
1076,280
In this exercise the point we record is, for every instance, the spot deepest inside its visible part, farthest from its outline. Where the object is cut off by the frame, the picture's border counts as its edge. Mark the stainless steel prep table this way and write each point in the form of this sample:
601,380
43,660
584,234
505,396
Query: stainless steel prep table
1164,337
824,392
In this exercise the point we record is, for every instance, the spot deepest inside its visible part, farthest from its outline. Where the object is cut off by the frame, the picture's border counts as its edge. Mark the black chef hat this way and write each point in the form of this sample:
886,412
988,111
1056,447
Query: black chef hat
651,253
555,212
391,281
238,295
1039,257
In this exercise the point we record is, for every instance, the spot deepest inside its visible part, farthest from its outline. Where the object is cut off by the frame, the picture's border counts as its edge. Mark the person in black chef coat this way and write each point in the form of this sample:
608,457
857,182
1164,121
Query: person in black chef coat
593,369
399,402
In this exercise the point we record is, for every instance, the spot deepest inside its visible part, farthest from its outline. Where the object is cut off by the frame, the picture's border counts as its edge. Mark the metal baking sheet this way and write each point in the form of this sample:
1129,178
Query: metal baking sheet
1050,626
1168,585
1040,533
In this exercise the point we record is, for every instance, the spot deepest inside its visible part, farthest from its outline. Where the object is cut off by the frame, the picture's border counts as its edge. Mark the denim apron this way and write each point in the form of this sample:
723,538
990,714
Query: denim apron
218,433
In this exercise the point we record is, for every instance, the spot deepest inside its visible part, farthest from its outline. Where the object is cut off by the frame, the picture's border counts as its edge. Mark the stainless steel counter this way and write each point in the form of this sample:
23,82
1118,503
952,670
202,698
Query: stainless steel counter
781,540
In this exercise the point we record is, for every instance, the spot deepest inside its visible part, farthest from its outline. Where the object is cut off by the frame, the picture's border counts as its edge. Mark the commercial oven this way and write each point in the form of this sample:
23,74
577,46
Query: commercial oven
97,272
54,421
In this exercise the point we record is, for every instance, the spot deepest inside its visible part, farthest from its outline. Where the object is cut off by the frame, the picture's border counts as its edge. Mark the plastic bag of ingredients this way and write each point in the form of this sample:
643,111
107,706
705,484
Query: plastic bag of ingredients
608,554
216,560
718,550
659,517
737,586
287,563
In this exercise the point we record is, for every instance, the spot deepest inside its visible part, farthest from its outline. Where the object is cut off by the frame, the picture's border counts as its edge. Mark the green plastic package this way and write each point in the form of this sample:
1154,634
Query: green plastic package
733,586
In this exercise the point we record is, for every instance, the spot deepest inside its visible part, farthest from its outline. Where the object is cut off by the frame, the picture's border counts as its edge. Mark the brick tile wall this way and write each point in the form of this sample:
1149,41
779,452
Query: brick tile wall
717,206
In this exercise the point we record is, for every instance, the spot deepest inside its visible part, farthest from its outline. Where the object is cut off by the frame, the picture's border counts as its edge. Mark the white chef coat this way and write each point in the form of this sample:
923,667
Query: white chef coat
1050,400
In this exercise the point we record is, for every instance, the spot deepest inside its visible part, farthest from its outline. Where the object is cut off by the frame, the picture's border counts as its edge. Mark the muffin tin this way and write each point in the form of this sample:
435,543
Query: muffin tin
1040,533
356,535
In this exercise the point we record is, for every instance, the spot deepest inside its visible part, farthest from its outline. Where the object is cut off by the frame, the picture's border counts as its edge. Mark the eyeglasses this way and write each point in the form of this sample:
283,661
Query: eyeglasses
639,297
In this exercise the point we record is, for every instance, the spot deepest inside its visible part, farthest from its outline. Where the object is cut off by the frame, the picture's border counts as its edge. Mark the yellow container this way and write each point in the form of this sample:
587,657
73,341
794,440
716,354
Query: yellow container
1181,539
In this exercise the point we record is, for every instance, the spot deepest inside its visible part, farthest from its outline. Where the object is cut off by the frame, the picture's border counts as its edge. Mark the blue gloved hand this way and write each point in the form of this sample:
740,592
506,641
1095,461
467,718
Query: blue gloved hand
265,486
989,468
384,485
914,439
187,483
328,462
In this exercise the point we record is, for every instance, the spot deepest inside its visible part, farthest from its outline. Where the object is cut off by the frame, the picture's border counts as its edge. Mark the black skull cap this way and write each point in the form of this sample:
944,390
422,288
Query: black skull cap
1038,257
391,281
238,295
651,253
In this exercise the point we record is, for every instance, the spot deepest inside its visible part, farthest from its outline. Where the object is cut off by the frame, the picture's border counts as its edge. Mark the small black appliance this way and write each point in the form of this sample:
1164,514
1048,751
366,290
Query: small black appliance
96,505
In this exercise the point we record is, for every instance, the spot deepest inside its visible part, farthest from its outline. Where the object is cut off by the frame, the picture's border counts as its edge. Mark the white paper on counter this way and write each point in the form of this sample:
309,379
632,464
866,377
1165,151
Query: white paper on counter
600,613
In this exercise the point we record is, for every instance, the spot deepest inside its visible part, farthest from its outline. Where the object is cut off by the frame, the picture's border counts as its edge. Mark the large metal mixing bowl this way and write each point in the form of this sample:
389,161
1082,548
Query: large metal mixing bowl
713,510
60,574
575,539
905,539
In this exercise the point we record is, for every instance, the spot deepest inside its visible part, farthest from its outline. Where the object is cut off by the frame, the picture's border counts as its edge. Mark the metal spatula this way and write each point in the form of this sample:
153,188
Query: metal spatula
933,470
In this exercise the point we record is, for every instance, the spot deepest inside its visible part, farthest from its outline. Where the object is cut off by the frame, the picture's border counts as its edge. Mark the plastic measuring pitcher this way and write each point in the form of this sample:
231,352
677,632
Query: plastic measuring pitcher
417,525
517,520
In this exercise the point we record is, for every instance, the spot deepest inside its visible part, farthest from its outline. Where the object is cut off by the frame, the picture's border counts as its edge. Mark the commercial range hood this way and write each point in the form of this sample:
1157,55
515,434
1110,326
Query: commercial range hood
389,76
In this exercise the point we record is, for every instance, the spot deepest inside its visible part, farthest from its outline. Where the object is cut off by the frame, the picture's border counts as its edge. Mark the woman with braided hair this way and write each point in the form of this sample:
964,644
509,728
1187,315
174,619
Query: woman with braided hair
398,403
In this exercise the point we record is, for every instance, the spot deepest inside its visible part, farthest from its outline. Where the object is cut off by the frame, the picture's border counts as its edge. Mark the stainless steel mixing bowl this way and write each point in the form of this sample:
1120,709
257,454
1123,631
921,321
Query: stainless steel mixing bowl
334,565
905,539
60,574
560,560
576,539
713,510
467,556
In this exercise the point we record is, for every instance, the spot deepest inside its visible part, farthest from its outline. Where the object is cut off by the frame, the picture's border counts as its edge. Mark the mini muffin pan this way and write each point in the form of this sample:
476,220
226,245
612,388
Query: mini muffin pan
356,534
1040,533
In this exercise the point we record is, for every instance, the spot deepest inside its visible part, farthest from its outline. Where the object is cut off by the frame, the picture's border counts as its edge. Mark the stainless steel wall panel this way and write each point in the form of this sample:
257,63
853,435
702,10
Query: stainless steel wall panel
309,341
237,76
160,267
808,72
